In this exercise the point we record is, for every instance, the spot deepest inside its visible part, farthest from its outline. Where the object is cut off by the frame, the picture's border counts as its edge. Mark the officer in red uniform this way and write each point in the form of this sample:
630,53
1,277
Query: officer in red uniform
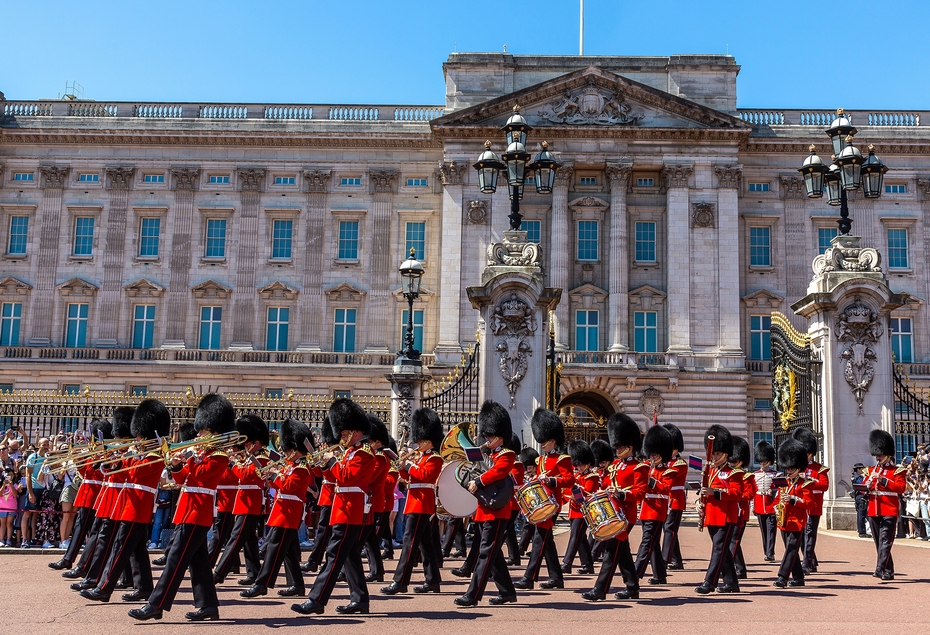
604,456
671,551
885,483
247,508
282,545
720,500
378,439
763,504
324,475
657,446
738,462
91,483
352,474
135,507
518,474
495,428
421,477
796,499
556,474
587,482
626,482
821,477
198,476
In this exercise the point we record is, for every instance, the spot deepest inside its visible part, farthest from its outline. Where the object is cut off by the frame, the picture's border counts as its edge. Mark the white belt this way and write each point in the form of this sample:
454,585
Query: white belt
199,490
227,487
665,496
349,490
289,497
881,493
142,488
86,482
325,482
258,487
421,486
114,485
678,487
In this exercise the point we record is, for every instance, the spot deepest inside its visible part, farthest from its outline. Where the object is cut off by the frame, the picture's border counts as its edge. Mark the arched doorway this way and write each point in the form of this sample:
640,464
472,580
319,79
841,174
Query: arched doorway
585,415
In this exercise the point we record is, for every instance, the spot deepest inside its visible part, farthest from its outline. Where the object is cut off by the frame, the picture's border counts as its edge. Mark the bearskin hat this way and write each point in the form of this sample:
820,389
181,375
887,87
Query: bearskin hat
122,422
327,436
678,442
253,428
494,421
741,452
215,414
345,414
514,443
603,453
659,441
765,452
723,440
881,443
186,431
807,438
293,434
621,431
151,418
792,455
581,453
101,428
546,426
426,426
379,431
528,456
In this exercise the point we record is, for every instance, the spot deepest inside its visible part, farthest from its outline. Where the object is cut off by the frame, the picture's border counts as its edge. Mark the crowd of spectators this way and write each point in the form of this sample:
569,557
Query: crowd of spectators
917,499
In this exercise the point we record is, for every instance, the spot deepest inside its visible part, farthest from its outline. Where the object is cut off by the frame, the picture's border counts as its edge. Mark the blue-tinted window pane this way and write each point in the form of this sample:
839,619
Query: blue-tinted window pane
76,326
645,331
586,330
10,324
216,238
824,236
645,242
532,229
348,240
417,329
587,240
760,337
277,330
84,236
211,321
902,340
897,249
143,325
148,237
416,239
19,234
344,331
760,247
281,239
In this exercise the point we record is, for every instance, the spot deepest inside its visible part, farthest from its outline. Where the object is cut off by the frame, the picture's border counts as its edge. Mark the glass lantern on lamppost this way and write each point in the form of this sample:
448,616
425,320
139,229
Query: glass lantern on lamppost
849,170
516,161
411,274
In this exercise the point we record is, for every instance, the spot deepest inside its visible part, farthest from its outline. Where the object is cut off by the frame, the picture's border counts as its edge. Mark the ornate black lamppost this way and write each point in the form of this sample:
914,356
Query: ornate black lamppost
411,273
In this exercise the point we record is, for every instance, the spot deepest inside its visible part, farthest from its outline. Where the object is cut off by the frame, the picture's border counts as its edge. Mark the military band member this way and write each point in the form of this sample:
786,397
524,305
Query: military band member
671,551
556,474
324,475
378,439
421,476
794,500
764,500
604,456
626,482
657,446
529,458
495,428
518,474
224,519
885,483
587,482
720,500
820,475
738,461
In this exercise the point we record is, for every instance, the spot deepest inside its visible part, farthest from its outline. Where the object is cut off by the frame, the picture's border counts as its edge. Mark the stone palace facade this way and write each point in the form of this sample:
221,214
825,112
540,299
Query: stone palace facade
254,247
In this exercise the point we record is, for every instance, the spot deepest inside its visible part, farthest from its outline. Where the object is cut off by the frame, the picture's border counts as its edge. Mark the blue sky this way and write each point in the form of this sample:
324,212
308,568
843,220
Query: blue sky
793,54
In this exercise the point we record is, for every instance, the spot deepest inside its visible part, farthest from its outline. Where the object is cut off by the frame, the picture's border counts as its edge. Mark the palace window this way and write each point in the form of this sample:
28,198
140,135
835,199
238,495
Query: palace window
23,176
760,342
211,323
897,249
760,246
588,180
143,325
216,238
824,236
762,404
902,339
219,179
282,232
19,235
417,329
348,240
759,187
285,180
645,331
88,178
587,239
645,242
83,236
149,235
153,178
350,181
344,331
76,326
10,323
139,391
586,330
532,229
277,328
416,239
417,182
645,182
896,189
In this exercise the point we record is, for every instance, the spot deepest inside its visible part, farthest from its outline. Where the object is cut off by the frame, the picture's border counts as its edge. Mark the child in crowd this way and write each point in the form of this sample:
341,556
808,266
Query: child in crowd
9,501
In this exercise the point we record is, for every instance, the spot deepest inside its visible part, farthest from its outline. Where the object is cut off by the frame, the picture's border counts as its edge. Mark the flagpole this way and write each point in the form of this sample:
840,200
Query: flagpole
581,33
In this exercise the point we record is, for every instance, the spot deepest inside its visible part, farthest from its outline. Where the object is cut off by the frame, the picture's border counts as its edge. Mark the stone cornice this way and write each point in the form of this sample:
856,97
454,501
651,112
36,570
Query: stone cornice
802,147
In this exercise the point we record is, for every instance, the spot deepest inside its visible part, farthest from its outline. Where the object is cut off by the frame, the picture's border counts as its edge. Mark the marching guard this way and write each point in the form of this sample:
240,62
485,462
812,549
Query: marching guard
720,500
885,483
738,461
821,477
657,446
763,503
671,551
792,503
378,439
587,482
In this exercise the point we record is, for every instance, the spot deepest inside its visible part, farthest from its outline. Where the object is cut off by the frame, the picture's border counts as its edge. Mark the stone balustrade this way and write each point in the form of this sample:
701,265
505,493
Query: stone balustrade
823,118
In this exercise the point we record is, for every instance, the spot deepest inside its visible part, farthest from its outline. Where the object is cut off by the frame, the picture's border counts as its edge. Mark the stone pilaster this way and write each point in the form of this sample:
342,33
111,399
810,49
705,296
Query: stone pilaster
679,258
728,184
449,348
618,279
119,182
797,270
251,181
559,258
311,295
178,296
382,271
923,187
54,180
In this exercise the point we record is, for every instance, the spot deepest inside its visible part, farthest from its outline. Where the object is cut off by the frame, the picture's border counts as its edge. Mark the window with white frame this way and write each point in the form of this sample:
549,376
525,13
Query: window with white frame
219,179
285,180
282,233
415,232
24,176
645,232
758,187
587,239
899,188
417,329
760,246
215,243
532,229
277,328
645,181
824,237
897,248
344,331
211,326
149,237
19,235
88,177
10,322
902,339
348,240
645,331
153,178
143,325
83,236
350,181
588,180
417,182
760,338
76,325
587,324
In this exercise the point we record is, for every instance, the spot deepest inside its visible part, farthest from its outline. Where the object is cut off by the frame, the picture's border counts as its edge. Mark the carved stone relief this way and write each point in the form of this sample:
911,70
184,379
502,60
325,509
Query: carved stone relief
382,181
514,251
618,174
846,255
591,105
702,215
451,172
317,180
54,176
728,176
677,175
477,212
250,180
563,174
858,327
120,178
512,324
404,403
185,178
793,187
651,402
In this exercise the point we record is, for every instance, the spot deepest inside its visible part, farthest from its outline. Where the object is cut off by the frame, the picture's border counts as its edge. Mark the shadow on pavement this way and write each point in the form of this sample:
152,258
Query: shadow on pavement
703,599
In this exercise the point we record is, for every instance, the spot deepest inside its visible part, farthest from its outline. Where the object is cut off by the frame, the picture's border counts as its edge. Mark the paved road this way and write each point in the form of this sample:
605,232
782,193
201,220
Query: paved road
842,598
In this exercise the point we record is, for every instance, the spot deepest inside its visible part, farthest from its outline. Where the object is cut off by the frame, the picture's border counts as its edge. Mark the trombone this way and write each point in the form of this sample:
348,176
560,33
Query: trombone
170,451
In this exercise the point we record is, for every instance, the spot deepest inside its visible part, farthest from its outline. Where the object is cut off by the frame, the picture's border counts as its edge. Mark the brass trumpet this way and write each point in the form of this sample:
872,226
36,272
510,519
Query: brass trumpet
170,451
316,458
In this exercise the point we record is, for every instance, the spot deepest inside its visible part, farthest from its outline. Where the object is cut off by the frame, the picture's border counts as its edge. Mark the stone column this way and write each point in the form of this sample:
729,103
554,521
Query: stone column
728,182
449,348
560,259
678,218
618,280
119,182
382,271
311,295
180,261
54,180
923,185
797,270
251,181
406,395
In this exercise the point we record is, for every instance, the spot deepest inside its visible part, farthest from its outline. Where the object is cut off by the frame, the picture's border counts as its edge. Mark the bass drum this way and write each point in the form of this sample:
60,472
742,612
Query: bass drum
453,498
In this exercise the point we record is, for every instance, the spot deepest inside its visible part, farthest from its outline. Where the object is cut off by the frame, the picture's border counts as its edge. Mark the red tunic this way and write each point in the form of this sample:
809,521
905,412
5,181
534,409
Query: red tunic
656,498
353,474
226,491
387,494
559,467
632,476
745,501
421,483
90,488
677,494
327,487
796,511
886,483
109,492
820,475
502,464
250,492
376,492
136,501
199,478
588,482
291,485
723,507
764,502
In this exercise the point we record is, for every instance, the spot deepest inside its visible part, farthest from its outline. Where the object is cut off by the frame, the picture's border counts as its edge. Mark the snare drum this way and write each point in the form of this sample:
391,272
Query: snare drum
536,503
604,516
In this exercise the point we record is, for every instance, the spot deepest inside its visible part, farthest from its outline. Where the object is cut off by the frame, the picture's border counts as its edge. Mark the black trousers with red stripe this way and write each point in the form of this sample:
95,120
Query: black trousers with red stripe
616,552
671,550
282,546
244,537
129,549
769,530
736,549
578,544
417,536
188,552
103,542
491,561
883,534
373,545
721,560
82,524
649,552
342,552
323,533
222,529
791,561
543,547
